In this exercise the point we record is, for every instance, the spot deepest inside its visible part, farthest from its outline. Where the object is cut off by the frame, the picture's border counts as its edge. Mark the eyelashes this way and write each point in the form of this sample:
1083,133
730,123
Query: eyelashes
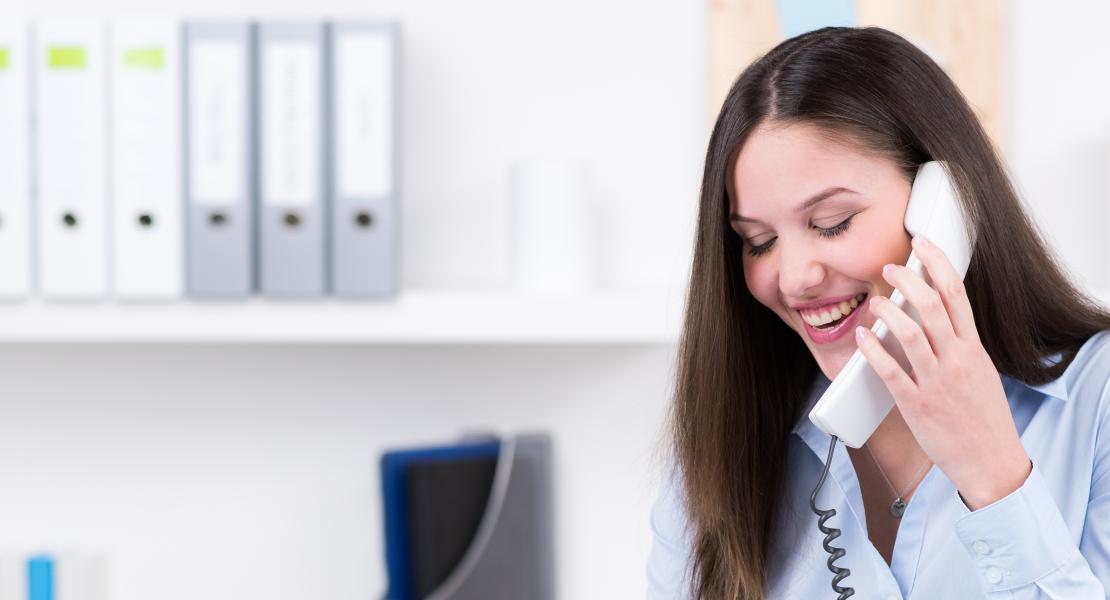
828,232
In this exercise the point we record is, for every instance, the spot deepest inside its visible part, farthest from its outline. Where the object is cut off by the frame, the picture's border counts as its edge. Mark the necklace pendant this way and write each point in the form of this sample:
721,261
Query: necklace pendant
898,508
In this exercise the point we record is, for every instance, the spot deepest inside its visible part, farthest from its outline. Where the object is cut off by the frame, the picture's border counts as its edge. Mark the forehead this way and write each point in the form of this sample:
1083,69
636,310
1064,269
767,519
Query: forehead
786,163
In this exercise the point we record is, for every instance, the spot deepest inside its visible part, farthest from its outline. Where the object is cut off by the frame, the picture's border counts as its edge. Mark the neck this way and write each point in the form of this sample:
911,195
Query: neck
896,449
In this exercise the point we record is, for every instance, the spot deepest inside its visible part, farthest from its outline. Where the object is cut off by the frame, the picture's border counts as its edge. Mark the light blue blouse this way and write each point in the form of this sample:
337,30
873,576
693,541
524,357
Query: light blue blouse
1050,538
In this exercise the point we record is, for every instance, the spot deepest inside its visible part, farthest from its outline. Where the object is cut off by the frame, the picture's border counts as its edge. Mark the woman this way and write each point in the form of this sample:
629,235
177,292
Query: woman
991,475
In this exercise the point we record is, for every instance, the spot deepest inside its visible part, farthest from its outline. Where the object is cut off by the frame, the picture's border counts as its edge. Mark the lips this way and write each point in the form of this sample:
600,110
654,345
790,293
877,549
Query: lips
826,312
845,325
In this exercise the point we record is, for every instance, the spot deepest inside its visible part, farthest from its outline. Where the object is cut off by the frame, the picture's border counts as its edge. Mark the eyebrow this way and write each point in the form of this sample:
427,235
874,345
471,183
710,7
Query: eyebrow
818,197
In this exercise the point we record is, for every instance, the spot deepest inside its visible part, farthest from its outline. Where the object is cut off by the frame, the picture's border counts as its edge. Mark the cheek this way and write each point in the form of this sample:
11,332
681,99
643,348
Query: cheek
859,262
861,256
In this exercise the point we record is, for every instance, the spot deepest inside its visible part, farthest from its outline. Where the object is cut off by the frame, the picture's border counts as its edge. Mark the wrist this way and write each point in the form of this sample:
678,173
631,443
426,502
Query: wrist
998,484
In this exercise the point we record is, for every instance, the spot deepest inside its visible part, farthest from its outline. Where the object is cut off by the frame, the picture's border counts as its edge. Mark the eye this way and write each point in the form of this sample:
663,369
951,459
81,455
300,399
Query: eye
827,232
759,250
835,230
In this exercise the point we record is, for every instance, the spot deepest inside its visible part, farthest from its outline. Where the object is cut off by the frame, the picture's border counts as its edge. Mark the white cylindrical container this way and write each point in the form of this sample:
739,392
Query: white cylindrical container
553,242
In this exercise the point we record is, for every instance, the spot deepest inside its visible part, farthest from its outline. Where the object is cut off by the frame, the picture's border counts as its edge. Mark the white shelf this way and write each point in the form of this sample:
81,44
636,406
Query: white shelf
413,317
416,317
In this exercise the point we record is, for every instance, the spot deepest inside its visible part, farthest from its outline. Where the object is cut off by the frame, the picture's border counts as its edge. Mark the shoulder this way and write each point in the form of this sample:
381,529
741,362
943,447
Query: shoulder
1093,377
1088,390
669,519
668,563
1094,354
1087,378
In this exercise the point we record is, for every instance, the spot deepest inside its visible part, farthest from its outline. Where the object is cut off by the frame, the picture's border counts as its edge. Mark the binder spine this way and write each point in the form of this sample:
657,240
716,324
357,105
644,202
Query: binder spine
70,165
291,164
219,165
146,142
365,62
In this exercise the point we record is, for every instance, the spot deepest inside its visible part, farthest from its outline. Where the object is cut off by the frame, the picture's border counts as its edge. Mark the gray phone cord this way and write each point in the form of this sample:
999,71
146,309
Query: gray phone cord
831,533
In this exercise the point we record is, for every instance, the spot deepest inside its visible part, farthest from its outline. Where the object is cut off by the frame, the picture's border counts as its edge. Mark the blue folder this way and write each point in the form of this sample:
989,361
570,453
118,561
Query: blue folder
395,468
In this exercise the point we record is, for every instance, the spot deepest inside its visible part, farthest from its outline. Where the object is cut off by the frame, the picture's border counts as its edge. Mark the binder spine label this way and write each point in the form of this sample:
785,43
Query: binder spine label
364,105
291,123
217,76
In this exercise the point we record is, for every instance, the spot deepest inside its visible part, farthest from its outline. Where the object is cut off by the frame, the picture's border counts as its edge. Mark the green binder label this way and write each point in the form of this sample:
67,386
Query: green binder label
66,57
3,58
143,58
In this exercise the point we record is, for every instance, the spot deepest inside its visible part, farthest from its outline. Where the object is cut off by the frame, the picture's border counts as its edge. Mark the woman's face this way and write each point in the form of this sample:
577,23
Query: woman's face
778,170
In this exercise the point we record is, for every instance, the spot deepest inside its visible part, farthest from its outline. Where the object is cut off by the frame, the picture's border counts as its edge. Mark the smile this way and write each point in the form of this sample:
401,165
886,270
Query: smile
830,323
828,315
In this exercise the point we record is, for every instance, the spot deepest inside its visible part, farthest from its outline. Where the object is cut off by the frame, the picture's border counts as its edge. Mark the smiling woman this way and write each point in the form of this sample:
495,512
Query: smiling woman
803,199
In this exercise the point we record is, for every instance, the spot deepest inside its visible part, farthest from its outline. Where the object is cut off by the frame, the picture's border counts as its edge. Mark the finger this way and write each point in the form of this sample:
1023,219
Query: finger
907,332
934,315
884,365
949,284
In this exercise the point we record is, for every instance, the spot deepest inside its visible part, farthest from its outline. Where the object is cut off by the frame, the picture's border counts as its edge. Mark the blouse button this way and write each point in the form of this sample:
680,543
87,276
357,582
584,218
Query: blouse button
994,575
982,547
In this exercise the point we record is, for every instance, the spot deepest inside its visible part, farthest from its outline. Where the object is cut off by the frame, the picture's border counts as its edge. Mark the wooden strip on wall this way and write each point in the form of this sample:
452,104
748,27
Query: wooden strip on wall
968,38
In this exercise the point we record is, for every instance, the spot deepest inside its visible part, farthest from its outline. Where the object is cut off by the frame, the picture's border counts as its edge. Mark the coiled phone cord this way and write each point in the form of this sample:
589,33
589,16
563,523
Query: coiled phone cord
831,533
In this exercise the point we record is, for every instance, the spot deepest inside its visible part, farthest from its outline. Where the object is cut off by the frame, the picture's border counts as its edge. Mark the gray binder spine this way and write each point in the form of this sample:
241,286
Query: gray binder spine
292,196
219,67
364,156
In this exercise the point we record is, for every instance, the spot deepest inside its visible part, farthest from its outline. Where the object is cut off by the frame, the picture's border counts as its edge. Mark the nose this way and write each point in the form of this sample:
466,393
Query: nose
800,269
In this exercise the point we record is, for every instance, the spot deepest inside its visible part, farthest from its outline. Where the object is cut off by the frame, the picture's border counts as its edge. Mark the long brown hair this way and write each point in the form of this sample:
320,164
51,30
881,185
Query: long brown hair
742,374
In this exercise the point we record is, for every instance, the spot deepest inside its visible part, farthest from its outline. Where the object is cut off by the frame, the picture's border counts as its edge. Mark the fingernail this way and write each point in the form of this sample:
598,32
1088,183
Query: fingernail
887,268
861,331
921,241
873,301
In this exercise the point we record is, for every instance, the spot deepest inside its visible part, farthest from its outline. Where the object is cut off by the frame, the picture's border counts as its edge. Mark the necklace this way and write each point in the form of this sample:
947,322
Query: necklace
898,507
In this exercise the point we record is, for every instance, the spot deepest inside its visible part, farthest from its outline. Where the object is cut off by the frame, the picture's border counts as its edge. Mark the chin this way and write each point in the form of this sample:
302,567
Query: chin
832,360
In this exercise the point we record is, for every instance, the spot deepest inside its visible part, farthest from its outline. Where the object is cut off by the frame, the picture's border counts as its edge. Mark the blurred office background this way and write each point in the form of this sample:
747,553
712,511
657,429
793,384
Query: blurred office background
230,450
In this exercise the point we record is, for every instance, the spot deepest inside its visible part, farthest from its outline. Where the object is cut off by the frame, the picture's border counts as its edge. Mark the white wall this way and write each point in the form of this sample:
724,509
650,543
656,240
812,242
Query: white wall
1059,127
251,471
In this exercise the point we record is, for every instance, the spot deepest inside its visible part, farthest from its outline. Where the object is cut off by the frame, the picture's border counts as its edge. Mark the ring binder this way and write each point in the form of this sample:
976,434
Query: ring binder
219,144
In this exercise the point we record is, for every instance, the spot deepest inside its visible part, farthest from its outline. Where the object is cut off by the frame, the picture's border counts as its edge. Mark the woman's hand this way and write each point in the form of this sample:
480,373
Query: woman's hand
954,402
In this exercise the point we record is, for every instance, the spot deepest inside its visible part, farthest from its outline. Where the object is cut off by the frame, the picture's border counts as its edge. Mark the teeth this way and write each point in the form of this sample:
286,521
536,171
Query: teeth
838,311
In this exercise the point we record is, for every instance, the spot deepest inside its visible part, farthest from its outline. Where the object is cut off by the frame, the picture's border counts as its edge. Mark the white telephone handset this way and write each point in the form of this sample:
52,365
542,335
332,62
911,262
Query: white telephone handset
857,400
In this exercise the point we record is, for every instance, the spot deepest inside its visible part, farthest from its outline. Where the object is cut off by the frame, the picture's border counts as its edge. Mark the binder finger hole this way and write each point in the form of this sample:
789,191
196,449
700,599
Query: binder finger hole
292,220
146,220
364,219
69,219
217,218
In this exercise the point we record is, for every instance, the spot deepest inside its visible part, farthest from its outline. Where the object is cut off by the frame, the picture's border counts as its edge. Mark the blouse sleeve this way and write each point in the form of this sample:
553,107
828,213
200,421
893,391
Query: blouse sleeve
667,573
1022,547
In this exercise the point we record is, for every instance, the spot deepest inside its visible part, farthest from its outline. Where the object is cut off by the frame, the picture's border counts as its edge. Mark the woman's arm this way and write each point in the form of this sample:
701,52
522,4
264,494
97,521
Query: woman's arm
1022,548
1021,544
